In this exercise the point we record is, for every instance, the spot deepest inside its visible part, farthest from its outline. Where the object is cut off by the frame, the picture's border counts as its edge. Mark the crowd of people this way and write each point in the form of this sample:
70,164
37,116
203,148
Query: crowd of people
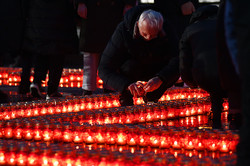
138,50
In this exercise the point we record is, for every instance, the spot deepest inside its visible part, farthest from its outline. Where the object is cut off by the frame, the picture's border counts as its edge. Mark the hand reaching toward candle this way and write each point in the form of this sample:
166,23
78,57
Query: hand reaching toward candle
136,89
152,84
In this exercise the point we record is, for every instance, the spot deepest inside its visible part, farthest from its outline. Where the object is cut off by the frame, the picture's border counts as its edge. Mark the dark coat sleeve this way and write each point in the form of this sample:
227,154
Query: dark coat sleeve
170,72
112,58
186,60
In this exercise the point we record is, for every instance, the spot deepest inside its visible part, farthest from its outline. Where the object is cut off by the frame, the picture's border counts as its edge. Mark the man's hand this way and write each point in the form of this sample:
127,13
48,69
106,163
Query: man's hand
152,84
136,89
187,8
82,10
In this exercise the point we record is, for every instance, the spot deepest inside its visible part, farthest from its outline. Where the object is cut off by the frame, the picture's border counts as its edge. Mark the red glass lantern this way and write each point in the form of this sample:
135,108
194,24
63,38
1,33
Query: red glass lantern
143,136
177,139
47,133
88,137
37,131
121,135
22,155
8,129
100,134
57,133
211,141
132,136
27,130
67,134
10,155
110,134
2,153
77,133
33,156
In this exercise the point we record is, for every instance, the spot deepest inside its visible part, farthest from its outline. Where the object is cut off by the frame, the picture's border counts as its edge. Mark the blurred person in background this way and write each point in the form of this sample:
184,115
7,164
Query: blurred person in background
237,35
100,18
50,35
198,58
230,80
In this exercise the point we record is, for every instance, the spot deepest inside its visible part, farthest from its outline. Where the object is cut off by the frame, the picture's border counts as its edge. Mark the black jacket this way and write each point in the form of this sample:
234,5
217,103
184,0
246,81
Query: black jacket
12,20
198,57
128,58
51,27
102,18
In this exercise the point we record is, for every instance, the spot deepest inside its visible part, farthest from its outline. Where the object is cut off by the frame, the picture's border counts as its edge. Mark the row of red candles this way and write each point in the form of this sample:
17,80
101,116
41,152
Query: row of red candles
38,154
131,114
190,121
132,135
69,78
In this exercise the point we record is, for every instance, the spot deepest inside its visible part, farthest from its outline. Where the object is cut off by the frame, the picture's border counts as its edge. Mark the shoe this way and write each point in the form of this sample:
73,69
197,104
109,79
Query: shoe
53,95
86,92
35,90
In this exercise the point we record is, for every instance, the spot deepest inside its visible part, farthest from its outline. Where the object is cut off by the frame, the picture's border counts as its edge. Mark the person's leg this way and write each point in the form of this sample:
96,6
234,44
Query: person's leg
40,68
90,61
40,71
56,63
26,64
216,107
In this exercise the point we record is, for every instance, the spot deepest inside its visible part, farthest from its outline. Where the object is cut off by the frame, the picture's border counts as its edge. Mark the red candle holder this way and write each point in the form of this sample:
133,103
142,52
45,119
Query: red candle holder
110,134
67,134
33,156
121,136
10,155
154,137
57,133
142,136
22,155
176,139
8,129
211,141
77,133
2,153
100,134
132,136
47,133
224,143
190,140
201,143
88,134
27,130
45,154
37,131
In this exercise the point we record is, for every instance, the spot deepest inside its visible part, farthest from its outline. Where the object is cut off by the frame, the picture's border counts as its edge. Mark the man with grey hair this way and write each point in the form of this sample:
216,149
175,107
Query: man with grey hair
143,48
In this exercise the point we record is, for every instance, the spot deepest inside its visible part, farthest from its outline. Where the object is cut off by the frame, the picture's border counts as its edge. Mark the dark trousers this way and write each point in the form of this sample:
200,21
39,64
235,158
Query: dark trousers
53,63
26,62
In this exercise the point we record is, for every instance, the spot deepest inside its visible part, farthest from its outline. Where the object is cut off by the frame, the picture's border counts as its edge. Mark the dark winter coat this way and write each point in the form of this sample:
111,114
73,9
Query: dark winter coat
198,58
51,27
12,20
171,10
128,58
102,18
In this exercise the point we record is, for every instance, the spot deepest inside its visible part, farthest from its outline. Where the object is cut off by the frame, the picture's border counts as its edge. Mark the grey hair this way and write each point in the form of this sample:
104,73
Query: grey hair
154,19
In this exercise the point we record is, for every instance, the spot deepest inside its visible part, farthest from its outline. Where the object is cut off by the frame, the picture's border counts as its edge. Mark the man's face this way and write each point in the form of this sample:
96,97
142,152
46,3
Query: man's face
148,33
